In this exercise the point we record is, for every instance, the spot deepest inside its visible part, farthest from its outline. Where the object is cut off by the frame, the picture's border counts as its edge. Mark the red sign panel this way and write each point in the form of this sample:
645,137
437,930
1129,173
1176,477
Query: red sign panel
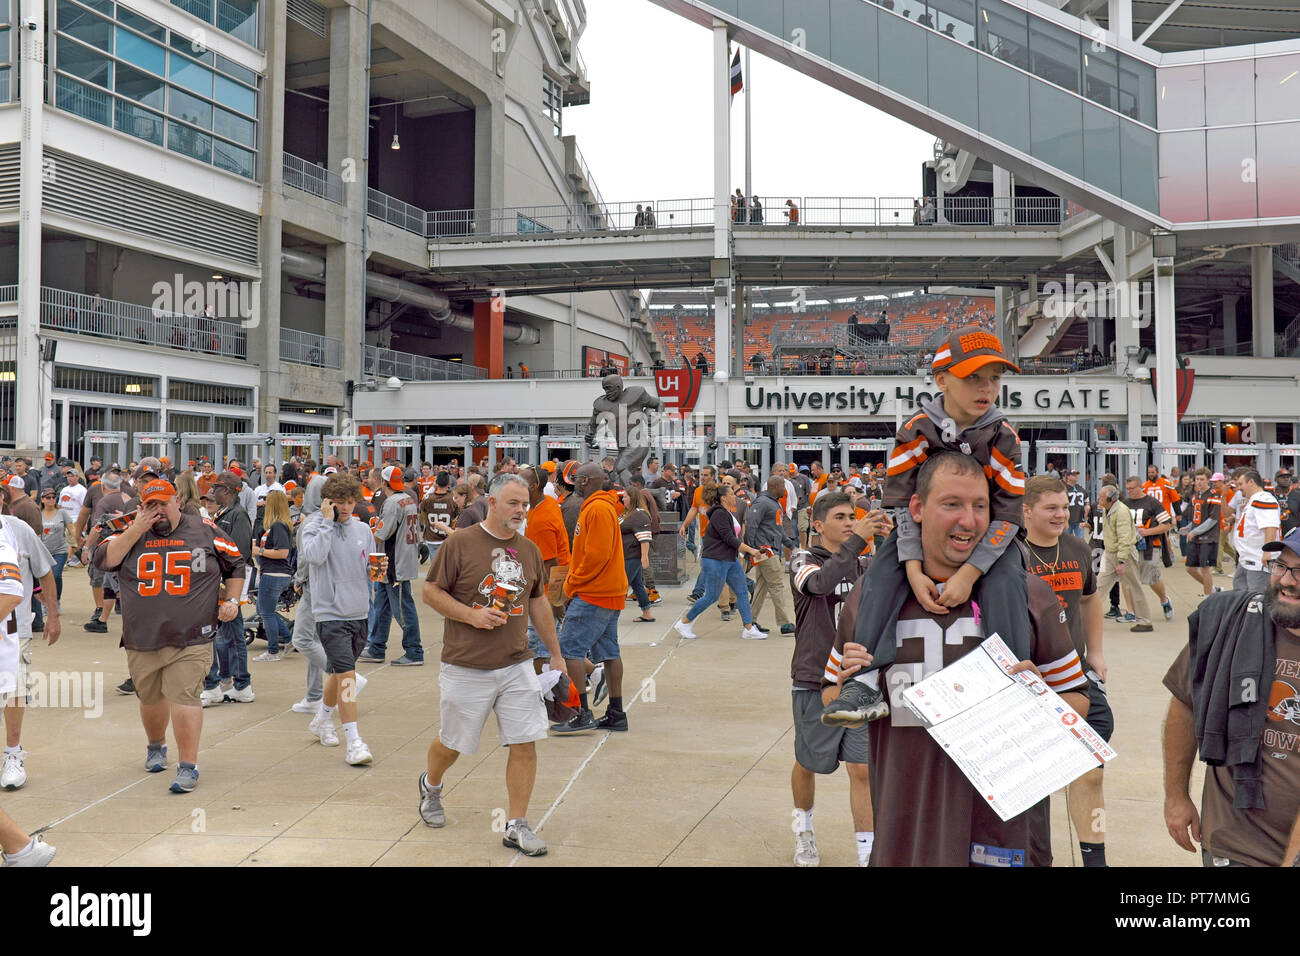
679,388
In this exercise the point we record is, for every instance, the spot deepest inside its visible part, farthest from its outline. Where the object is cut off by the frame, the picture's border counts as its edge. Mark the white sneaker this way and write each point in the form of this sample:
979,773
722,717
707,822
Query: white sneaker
752,633
306,706
14,774
358,752
39,853
210,698
323,727
245,696
266,656
805,849
683,627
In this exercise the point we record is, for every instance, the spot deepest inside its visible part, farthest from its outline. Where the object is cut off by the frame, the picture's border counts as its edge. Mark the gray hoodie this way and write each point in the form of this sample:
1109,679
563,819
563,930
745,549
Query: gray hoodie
338,556
398,535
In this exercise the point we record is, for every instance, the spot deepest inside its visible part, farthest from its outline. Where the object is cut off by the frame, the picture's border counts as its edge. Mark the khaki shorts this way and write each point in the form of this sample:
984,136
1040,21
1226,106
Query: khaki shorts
468,695
22,693
170,673
1149,572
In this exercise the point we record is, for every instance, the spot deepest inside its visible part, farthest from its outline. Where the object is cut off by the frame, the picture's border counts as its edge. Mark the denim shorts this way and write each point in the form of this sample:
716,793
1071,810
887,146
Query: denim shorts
589,631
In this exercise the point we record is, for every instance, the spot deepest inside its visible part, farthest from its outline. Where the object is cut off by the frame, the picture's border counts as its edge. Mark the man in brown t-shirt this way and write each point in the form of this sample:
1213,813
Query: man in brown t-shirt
926,811
487,581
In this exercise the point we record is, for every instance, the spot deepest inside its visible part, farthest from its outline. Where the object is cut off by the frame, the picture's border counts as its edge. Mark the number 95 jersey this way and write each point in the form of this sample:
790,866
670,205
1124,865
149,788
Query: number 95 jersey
170,584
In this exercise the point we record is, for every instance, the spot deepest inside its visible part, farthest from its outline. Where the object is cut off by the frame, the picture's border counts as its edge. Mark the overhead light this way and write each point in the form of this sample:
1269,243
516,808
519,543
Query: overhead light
803,426
1085,59
396,144
986,15
1288,76
8,376
133,388
218,276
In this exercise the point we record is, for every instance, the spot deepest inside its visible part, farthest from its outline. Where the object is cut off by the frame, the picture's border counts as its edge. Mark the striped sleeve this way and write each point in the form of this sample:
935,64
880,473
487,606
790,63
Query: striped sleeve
802,575
1065,673
11,579
644,536
832,673
1165,517
907,455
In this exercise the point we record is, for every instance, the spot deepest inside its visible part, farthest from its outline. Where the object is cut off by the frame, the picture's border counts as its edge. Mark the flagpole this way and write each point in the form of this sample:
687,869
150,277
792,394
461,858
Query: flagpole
749,156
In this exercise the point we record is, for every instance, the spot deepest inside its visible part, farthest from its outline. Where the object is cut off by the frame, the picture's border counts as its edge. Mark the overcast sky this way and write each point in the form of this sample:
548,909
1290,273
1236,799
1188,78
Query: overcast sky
647,133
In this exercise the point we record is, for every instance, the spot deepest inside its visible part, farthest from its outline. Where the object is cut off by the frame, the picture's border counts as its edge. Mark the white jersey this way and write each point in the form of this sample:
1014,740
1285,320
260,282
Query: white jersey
71,498
1259,514
10,584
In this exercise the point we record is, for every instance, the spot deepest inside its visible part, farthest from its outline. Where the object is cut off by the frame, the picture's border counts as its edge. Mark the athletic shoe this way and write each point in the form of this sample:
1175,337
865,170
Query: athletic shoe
358,753
406,660
654,597
520,836
613,720
187,778
1128,617
580,723
753,634
787,628
14,774
694,596
597,680
1169,611
857,704
95,626
370,656
155,759
760,627
244,696
266,657
1113,614
683,627
306,706
726,615
216,695
126,688
1141,628
323,727
39,853
431,811
805,849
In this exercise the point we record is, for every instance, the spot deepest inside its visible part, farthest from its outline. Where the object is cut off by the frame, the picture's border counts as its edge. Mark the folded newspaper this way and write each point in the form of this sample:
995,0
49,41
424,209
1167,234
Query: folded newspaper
1013,737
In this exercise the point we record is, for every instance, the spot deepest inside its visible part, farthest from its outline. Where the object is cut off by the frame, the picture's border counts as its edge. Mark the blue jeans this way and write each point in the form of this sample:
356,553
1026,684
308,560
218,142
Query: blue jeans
636,581
269,590
1077,530
229,656
59,561
589,631
388,597
716,574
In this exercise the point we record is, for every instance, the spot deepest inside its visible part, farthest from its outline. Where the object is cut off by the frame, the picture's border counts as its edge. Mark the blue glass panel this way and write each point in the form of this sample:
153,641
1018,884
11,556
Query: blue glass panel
190,142
141,52
189,108
235,95
190,75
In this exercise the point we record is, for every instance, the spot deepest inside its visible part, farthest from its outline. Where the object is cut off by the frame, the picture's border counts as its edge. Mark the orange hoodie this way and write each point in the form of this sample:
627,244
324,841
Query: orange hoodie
596,572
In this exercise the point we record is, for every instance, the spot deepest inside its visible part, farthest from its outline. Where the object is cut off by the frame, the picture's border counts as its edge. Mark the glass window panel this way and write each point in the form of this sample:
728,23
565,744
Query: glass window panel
234,69
814,20
235,95
234,127
853,37
764,14
84,62
1101,149
138,122
190,142
192,76
902,58
199,8
955,19
141,86
1137,151
1182,96
141,24
76,97
1056,127
1004,103
1227,151
233,159
1137,90
143,53
1101,76
1279,173
189,108
954,85
4,45
99,6
190,45
1054,54
1004,32
85,26
1277,87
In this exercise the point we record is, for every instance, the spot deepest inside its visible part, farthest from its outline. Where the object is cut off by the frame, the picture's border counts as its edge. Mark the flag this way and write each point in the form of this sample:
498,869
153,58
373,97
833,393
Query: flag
737,81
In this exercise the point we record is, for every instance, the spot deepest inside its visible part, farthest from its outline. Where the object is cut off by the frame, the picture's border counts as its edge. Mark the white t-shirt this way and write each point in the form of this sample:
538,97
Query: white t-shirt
1260,513
71,498
33,562
10,584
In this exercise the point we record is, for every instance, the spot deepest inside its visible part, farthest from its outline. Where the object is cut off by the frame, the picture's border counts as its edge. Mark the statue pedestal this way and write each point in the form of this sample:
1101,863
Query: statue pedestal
665,552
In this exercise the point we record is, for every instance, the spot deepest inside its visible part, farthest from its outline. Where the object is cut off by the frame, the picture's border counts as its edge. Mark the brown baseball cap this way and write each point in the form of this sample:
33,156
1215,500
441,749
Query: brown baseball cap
968,349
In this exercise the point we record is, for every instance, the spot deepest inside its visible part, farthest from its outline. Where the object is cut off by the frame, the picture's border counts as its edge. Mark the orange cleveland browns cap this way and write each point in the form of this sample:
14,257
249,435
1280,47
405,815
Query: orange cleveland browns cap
160,489
968,349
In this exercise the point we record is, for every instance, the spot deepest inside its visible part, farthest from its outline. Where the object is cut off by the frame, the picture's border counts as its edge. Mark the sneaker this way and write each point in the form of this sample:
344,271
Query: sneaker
323,727
694,596
370,656
39,853
96,626
753,634
155,759
406,660
126,688
1169,611
520,836
1141,628
726,615
187,778
215,695
857,703
97,614
1112,614
613,720
241,696
805,849
580,723
760,627
14,774
598,681
787,628
1128,617
266,657
358,752
683,627
654,597
431,811
306,706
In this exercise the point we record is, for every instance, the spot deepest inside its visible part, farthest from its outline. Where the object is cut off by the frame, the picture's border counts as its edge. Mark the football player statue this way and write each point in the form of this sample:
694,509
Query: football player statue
629,415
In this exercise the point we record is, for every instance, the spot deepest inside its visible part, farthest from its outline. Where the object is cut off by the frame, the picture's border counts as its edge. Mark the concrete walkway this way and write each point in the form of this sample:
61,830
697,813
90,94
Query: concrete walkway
702,778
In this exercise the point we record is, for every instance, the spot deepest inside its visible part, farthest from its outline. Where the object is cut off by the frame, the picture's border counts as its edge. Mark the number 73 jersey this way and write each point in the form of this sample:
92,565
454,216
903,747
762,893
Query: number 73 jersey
170,584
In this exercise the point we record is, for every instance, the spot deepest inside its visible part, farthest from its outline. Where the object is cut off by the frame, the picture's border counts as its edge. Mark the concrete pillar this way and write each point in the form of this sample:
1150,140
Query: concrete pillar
349,126
721,222
1261,301
1001,196
264,334
489,343
344,295
1120,15
1230,322
1166,364
31,406
489,153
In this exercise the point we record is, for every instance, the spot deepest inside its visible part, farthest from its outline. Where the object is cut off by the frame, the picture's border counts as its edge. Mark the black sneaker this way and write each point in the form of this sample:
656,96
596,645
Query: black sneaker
857,704
580,723
96,615
1112,614
787,628
96,626
695,596
613,720
726,615
126,688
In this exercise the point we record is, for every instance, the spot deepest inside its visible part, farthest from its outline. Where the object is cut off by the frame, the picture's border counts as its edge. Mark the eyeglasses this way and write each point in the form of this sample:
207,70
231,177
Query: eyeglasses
1281,569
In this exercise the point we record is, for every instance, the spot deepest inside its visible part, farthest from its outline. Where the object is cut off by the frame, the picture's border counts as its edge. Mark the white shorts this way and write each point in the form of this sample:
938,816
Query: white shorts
469,695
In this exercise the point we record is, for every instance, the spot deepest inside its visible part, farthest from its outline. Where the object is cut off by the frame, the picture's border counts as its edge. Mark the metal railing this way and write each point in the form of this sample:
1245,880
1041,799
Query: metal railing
128,322
226,17
397,213
1287,339
8,293
311,178
385,363
308,348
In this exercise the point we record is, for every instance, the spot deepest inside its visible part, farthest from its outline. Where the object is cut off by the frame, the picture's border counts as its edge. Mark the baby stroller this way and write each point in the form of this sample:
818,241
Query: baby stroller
254,630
